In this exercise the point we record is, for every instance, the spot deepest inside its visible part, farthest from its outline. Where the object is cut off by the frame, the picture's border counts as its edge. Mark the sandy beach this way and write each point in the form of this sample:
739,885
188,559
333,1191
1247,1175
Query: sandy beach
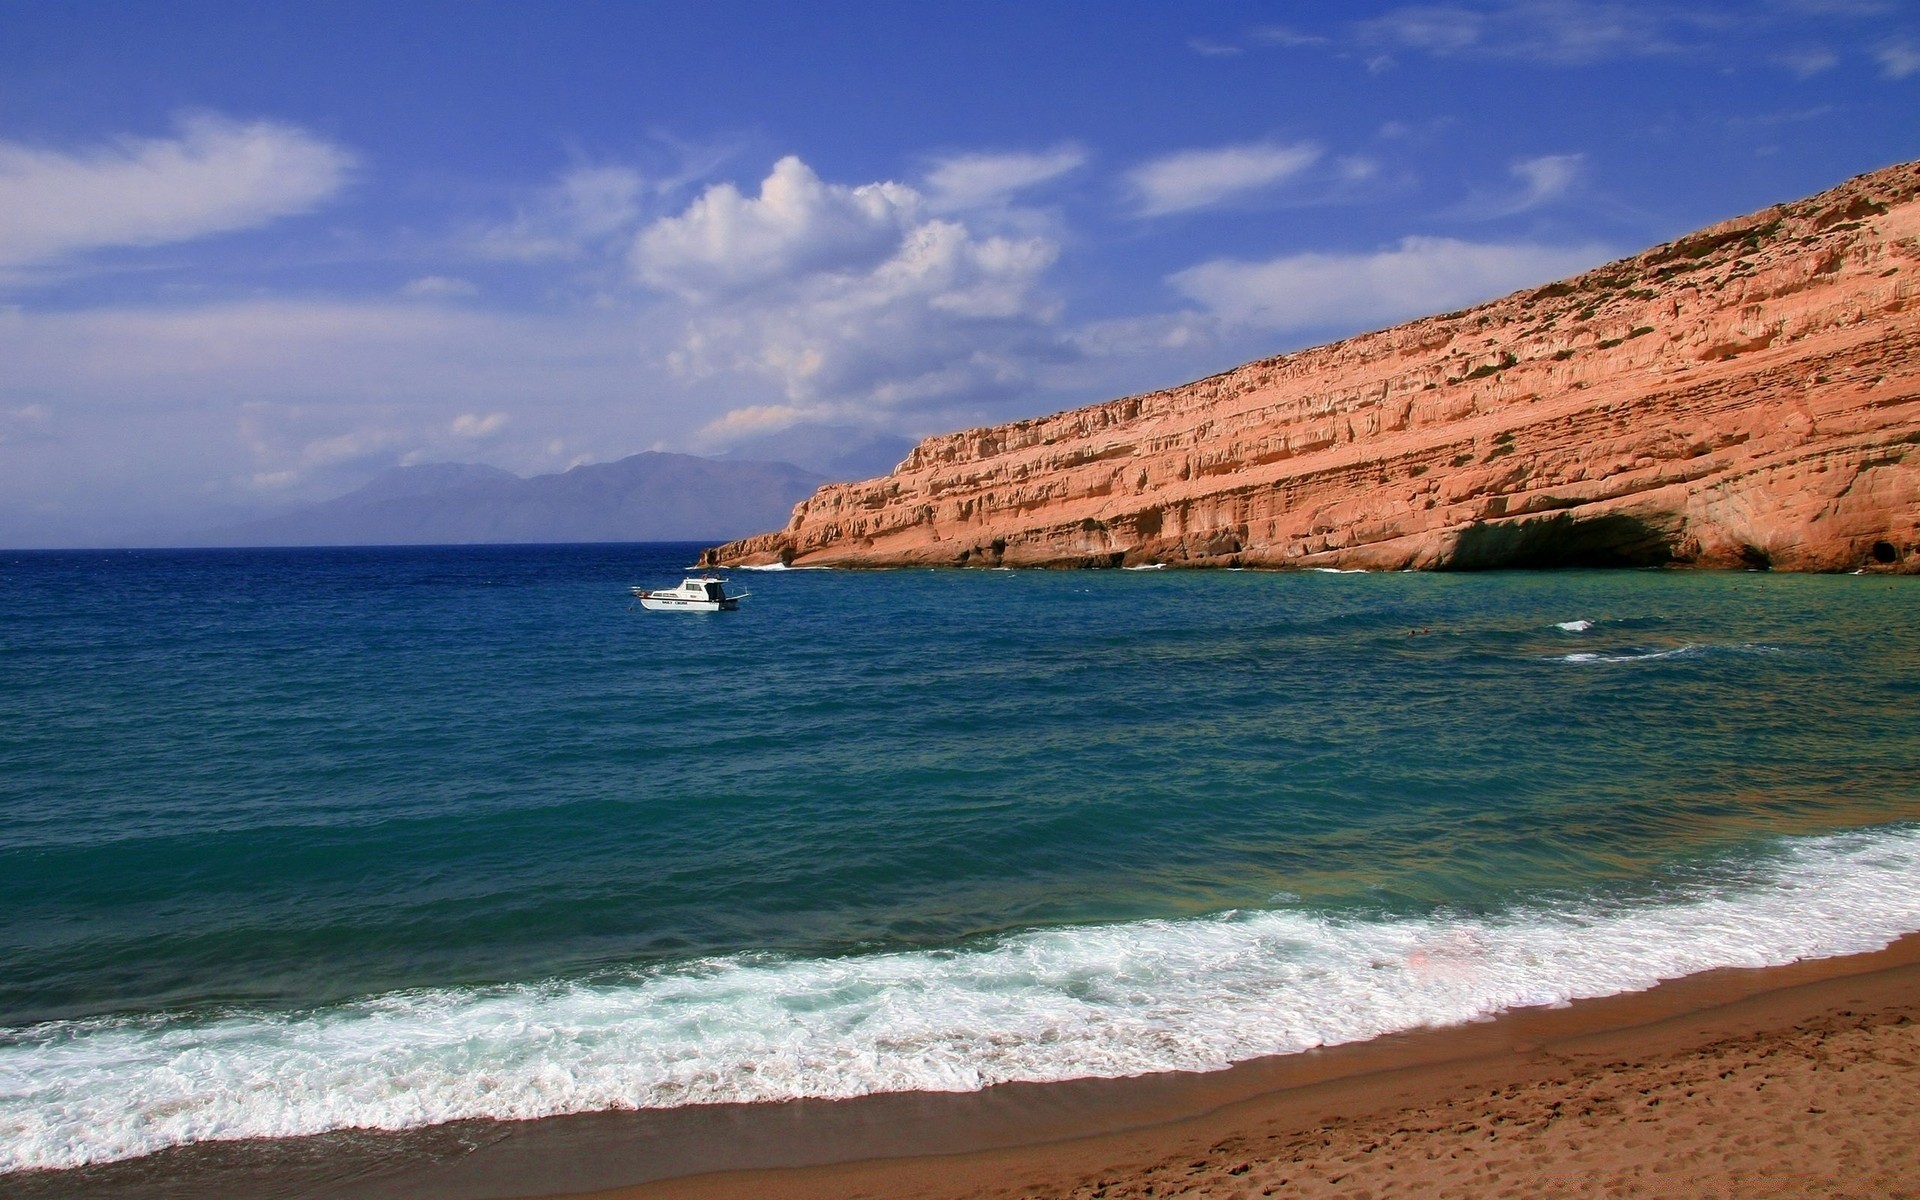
1797,1081
1789,1081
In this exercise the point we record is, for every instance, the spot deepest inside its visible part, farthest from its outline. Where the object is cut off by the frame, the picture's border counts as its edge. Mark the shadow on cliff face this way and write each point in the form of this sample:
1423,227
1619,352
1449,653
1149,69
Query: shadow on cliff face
1562,540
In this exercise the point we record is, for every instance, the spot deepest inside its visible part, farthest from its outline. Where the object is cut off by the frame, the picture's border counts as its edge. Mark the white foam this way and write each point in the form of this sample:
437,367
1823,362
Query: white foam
1589,656
1091,1001
1689,650
1146,567
1575,626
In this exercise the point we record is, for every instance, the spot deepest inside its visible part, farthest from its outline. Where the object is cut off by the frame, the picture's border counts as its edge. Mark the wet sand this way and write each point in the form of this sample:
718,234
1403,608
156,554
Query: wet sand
1797,1080
1800,1081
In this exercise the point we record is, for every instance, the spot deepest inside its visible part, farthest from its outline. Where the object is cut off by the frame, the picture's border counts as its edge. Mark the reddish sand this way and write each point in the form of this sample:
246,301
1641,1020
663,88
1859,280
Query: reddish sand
1793,1082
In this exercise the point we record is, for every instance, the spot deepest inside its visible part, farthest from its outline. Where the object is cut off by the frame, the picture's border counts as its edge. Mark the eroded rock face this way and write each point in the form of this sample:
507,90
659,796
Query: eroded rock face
1746,396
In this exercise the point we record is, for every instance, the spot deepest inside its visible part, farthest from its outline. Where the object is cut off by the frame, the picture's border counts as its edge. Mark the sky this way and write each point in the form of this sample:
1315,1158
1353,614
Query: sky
251,255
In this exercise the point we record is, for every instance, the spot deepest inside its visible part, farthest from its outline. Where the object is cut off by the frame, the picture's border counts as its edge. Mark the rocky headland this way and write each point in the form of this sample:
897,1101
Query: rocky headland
1747,396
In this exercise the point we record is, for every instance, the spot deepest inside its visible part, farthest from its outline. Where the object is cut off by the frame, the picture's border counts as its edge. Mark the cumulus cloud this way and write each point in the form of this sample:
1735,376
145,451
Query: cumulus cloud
1346,291
1193,179
727,242
851,300
214,176
583,211
983,180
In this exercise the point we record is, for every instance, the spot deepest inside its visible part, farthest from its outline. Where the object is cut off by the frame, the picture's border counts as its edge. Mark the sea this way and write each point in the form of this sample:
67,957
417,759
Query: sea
304,840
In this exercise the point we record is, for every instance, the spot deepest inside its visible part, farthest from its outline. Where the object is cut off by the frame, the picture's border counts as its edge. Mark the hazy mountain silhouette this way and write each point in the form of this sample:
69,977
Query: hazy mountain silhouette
839,452
650,497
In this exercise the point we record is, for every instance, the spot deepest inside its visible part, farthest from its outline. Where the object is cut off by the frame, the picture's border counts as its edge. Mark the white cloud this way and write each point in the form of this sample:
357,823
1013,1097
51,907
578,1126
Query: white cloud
310,393
474,427
1562,32
215,176
1437,29
726,242
1898,59
1540,181
587,208
971,181
27,423
851,300
434,287
1281,35
1193,179
1422,275
1808,62
754,419
1211,48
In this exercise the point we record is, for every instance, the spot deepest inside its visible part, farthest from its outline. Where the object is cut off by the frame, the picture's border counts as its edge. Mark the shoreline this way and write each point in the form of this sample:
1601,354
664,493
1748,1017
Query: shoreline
1071,1138
1311,1119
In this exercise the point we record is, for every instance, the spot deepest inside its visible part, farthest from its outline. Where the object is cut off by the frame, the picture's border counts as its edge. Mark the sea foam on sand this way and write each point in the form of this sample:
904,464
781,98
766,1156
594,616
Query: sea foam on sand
1110,1000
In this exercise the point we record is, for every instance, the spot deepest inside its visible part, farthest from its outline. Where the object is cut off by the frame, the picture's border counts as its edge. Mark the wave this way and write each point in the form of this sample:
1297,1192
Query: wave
1055,1004
773,566
1591,656
1689,650
1575,626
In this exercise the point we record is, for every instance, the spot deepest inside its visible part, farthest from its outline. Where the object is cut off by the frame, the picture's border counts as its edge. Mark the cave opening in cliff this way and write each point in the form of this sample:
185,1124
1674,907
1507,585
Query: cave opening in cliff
1562,541
1885,554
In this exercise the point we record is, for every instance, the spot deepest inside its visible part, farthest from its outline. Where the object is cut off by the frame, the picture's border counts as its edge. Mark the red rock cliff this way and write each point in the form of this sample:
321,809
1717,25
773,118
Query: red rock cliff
1748,395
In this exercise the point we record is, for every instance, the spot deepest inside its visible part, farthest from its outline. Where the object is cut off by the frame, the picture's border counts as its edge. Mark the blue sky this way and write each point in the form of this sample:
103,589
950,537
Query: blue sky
250,255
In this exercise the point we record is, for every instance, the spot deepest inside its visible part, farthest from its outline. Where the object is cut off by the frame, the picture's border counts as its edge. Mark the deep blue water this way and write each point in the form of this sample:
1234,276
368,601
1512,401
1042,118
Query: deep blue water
454,831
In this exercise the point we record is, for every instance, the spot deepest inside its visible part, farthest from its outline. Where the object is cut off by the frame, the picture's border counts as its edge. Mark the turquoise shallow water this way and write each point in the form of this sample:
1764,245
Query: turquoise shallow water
454,832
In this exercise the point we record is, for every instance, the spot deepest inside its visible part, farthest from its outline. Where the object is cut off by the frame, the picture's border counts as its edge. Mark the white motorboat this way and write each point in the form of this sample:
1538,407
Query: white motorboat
696,593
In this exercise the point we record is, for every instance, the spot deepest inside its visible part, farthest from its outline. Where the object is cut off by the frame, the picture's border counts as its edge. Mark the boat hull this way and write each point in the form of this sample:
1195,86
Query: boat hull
667,604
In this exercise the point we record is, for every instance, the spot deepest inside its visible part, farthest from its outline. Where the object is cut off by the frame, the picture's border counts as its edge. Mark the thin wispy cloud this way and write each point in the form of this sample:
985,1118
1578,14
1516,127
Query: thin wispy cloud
1420,275
1536,182
1810,61
214,176
439,287
578,214
1286,36
1898,60
1196,179
1560,32
1213,49
971,181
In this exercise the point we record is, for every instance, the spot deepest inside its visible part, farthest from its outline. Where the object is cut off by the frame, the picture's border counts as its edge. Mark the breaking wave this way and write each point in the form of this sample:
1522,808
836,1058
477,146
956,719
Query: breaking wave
1109,1000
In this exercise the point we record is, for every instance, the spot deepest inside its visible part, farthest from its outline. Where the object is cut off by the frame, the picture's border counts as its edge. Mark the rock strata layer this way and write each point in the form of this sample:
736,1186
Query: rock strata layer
1745,396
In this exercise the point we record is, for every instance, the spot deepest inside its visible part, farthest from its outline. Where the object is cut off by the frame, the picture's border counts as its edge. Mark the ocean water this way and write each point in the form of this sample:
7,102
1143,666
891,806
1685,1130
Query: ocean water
304,840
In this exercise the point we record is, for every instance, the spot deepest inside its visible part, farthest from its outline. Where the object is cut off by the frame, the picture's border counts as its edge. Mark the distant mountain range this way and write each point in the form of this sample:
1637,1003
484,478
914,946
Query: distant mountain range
650,497
840,452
